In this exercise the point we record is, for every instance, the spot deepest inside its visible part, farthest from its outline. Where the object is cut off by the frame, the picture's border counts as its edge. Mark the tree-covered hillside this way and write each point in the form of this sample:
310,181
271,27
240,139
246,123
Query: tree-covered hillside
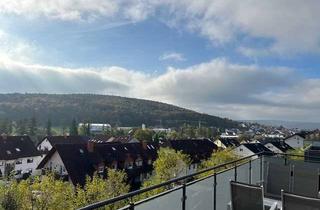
120,111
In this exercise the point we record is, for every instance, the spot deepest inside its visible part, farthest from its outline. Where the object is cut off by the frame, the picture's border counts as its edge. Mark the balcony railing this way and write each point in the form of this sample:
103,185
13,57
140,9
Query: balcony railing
280,171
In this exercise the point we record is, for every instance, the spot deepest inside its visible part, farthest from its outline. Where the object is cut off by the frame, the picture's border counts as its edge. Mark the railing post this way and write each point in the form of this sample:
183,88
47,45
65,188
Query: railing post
235,172
261,168
215,191
131,204
184,196
285,159
250,171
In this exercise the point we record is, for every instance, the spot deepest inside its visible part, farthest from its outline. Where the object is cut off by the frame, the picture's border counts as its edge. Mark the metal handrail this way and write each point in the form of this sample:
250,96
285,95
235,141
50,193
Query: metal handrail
140,191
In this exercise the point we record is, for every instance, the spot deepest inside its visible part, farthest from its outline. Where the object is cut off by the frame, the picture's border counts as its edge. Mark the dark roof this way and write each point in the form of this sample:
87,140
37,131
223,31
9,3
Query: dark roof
66,140
284,147
301,134
76,159
14,147
118,151
197,149
257,148
269,140
229,142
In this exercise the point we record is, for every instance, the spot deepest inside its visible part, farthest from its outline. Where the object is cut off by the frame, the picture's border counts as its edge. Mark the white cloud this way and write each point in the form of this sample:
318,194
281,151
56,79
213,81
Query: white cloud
174,56
217,87
292,26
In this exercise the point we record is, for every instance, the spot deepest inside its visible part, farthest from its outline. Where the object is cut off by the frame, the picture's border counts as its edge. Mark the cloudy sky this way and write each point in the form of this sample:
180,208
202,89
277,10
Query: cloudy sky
247,59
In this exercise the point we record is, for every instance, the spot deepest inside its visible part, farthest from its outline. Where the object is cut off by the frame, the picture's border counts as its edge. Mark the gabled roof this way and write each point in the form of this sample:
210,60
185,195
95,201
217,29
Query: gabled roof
197,149
66,140
229,142
257,148
76,159
117,151
14,147
269,140
301,134
284,147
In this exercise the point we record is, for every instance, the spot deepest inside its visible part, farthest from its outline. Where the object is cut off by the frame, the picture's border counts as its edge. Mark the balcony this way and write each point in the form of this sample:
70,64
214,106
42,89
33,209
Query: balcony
291,173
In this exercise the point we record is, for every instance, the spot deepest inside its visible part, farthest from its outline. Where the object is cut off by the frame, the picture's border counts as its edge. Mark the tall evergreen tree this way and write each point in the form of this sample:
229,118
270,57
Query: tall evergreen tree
33,126
74,128
21,127
48,128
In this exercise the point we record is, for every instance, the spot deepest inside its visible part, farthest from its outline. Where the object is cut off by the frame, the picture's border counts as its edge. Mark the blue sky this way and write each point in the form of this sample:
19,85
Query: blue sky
238,59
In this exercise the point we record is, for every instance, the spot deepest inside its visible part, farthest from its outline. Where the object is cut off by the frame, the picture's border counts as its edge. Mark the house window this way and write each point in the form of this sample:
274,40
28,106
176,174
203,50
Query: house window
139,162
18,162
129,165
30,160
1,163
149,162
241,150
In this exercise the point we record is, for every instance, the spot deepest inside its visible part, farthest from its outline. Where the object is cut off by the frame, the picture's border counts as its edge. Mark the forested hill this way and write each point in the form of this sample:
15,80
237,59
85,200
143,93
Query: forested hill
121,111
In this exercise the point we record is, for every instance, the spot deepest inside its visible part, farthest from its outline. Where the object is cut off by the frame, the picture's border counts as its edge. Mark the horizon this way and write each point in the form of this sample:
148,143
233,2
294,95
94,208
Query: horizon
230,59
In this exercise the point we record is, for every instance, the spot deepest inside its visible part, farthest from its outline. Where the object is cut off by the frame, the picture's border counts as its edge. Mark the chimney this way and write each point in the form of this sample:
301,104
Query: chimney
90,146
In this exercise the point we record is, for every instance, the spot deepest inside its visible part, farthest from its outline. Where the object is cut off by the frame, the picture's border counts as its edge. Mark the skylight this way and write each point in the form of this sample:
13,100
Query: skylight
114,149
18,150
126,148
81,151
8,152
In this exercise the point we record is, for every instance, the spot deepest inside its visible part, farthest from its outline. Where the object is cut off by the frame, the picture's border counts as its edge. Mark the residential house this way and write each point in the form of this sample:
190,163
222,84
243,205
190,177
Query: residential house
18,153
197,149
71,161
49,142
250,149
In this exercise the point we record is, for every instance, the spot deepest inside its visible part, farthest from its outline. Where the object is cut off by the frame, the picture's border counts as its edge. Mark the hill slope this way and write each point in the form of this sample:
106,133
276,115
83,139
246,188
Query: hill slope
61,109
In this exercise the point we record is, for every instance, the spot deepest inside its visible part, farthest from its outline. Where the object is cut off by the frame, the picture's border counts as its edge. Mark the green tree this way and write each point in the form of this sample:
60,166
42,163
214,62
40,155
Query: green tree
21,127
73,128
97,189
143,134
169,164
49,128
217,158
32,128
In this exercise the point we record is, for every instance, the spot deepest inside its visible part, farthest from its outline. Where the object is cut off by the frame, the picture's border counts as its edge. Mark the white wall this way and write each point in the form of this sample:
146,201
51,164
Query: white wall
295,141
44,145
22,164
55,164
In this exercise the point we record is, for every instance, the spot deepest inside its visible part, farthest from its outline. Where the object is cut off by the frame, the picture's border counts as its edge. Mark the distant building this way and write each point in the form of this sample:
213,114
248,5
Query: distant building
18,153
97,128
